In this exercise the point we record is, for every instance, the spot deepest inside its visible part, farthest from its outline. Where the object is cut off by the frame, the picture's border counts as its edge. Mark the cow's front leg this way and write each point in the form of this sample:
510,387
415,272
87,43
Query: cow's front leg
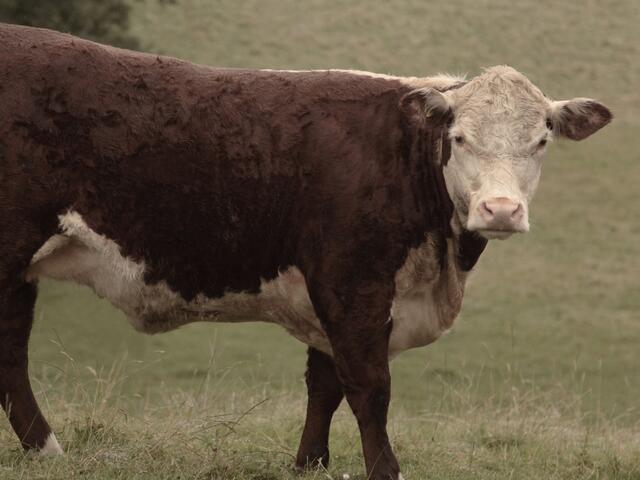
325,394
358,326
365,375
16,396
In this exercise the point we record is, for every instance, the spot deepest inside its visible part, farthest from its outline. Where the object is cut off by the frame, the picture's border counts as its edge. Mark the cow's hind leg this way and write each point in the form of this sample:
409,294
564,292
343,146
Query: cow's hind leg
325,394
16,396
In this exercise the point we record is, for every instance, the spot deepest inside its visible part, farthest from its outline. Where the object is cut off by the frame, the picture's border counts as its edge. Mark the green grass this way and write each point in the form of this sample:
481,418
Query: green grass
539,379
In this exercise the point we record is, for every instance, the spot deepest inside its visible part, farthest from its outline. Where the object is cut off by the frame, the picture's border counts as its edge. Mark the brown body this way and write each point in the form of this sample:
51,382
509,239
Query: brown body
216,180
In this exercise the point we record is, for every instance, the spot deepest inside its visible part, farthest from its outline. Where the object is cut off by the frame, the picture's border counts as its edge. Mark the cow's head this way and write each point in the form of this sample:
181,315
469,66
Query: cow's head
499,126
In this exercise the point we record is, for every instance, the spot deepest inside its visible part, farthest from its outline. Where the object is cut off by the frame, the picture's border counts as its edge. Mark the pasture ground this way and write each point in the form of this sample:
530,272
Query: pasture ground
540,378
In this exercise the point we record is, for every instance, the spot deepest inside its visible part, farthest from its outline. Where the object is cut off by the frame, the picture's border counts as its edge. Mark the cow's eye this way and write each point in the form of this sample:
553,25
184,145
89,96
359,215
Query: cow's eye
542,142
549,124
459,139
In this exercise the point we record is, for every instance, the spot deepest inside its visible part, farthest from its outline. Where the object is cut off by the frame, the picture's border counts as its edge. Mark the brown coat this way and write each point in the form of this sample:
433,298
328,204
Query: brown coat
216,179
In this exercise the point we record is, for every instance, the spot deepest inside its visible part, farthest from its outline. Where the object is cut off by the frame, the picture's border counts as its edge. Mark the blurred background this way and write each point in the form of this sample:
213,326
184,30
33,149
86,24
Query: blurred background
540,377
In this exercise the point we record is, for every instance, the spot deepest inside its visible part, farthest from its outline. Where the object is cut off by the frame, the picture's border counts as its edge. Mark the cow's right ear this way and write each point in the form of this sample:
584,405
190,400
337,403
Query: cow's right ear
578,118
426,106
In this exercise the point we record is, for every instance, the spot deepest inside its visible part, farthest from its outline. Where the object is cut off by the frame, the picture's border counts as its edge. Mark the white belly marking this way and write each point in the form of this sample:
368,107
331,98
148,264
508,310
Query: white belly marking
425,305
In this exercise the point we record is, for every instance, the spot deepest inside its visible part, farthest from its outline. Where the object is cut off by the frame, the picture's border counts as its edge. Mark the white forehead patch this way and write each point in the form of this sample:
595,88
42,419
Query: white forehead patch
500,105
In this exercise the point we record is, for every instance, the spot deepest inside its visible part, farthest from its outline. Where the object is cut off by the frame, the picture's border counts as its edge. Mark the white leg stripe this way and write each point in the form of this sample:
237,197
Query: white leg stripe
51,446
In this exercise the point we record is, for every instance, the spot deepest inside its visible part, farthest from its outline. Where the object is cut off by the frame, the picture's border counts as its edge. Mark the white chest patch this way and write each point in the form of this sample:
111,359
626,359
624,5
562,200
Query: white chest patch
427,299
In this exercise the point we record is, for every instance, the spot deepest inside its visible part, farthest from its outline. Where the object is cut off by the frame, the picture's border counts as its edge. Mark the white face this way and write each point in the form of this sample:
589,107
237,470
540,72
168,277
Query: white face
501,127
496,161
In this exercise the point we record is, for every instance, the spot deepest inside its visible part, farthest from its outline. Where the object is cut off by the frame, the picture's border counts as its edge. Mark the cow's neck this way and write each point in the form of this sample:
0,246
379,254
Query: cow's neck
429,151
470,247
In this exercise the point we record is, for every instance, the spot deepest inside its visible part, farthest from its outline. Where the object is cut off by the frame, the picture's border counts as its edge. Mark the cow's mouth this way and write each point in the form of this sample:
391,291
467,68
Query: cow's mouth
496,234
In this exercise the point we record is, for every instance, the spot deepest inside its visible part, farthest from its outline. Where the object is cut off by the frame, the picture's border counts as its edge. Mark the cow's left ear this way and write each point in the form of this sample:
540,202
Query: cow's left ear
426,105
578,118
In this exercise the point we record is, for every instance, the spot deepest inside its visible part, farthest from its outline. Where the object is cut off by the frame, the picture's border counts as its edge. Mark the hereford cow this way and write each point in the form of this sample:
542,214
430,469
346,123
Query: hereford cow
347,207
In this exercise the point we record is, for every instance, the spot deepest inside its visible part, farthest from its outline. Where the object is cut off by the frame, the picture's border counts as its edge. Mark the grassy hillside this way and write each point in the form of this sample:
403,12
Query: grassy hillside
540,377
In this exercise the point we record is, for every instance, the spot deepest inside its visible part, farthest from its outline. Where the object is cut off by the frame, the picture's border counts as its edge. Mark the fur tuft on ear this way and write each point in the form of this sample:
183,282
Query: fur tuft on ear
579,118
426,105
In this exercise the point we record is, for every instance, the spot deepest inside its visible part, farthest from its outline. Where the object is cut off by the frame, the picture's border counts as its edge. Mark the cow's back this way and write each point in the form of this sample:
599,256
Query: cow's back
203,174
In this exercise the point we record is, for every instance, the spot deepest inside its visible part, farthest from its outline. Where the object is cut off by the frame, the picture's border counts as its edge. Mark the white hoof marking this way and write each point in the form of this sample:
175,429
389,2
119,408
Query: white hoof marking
51,446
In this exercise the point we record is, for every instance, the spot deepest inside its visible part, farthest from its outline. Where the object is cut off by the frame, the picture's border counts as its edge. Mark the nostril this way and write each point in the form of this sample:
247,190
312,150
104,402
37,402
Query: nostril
517,212
486,208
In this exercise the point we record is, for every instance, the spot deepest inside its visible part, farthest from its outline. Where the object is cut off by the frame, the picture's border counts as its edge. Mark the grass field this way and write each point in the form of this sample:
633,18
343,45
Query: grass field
540,378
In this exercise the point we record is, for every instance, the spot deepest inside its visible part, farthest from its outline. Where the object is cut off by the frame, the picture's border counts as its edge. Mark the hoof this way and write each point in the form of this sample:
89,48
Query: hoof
51,446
